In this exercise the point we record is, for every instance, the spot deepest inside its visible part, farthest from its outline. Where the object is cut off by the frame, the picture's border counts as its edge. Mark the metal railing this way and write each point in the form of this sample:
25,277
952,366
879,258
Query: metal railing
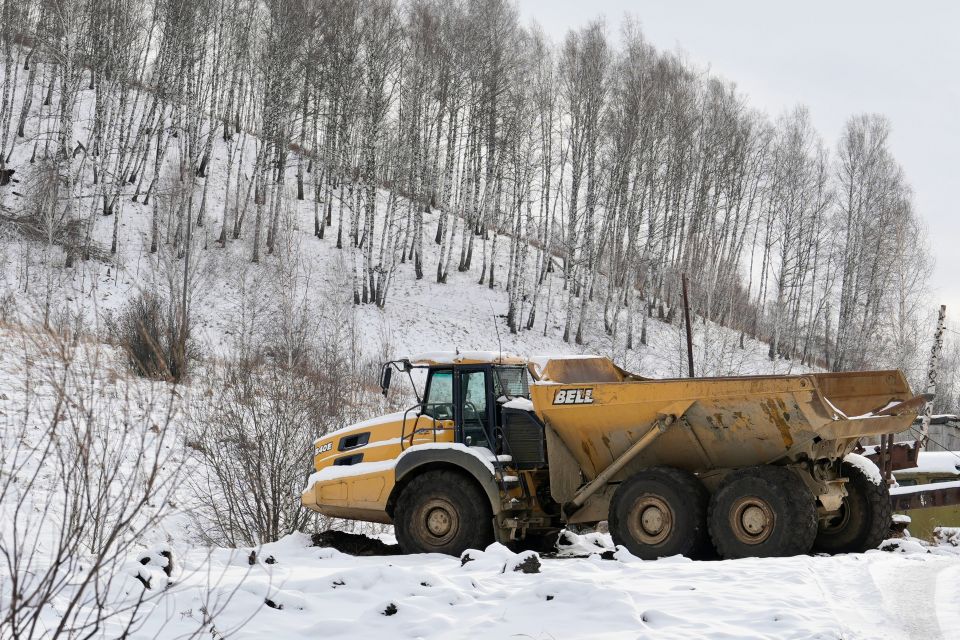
423,406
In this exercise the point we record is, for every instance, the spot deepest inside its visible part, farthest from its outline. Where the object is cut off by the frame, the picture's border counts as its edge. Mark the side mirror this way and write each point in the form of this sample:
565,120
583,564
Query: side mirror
385,378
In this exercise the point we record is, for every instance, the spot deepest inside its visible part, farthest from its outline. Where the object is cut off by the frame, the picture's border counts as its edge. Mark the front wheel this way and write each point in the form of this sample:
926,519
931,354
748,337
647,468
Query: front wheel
762,511
443,512
864,518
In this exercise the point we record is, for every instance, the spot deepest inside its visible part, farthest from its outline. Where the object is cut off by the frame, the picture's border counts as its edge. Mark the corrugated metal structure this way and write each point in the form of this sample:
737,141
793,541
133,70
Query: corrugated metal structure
944,433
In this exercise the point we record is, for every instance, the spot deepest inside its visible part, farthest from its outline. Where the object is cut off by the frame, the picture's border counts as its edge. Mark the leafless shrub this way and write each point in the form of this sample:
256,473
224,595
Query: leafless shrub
152,339
86,470
296,373
256,442
42,217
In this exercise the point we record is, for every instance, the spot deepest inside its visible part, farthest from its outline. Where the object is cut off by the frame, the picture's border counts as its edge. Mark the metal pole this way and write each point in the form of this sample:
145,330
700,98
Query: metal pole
886,456
932,372
686,317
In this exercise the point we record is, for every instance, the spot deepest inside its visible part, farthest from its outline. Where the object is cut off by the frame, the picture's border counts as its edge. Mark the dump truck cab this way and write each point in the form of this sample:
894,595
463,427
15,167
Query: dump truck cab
470,395
452,435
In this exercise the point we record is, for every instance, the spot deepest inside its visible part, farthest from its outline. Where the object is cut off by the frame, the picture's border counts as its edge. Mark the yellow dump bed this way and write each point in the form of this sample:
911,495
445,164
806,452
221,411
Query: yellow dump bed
599,410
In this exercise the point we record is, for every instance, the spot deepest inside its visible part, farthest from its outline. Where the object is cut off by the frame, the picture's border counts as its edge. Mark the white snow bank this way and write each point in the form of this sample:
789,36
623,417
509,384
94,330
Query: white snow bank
600,545
574,545
901,545
498,558
390,417
865,465
519,403
350,470
947,536
899,491
936,462
320,592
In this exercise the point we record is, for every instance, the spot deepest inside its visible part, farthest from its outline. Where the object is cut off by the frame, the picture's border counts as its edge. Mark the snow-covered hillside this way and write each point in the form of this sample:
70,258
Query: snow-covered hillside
310,278
304,277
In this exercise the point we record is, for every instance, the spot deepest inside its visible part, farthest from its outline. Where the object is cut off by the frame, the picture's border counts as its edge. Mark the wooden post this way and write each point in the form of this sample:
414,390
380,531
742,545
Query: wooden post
686,318
932,373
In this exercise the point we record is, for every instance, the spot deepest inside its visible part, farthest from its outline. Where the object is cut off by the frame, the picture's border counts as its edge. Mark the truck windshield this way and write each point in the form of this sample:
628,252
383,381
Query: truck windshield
511,382
439,400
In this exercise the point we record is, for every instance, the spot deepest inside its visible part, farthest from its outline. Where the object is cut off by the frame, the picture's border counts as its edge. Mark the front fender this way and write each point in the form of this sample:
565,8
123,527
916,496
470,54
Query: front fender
417,460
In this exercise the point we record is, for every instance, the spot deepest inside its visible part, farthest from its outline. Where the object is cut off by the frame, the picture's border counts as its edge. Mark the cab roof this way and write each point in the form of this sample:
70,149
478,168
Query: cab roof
434,358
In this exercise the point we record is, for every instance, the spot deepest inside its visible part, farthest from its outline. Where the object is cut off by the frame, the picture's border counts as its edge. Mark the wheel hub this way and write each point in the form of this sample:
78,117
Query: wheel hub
652,520
752,519
838,521
439,522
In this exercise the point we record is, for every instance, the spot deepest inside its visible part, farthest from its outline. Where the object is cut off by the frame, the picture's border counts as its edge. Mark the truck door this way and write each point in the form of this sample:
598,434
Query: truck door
473,408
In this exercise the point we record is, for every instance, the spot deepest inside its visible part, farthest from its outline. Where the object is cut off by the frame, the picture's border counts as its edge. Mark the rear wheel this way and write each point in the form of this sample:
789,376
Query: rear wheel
443,512
864,518
660,512
762,511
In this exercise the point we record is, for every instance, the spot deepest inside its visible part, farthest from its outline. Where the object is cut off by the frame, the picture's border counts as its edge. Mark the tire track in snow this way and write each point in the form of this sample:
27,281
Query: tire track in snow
900,597
947,600
909,591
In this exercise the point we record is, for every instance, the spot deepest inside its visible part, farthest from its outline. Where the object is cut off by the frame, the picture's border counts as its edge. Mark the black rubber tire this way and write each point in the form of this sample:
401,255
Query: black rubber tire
680,503
787,501
865,519
453,496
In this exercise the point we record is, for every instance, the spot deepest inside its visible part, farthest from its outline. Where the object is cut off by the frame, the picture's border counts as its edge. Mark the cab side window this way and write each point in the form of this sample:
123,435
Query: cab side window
439,400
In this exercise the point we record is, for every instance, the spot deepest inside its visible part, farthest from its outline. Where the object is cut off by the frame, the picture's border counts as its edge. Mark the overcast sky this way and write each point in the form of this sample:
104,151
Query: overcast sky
901,59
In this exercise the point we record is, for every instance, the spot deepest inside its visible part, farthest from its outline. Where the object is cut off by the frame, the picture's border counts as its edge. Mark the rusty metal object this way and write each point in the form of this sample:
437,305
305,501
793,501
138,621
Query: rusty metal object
928,497
893,456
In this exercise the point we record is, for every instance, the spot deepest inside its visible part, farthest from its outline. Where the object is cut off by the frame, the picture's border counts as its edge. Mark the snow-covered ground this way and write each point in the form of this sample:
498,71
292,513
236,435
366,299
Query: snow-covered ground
908,592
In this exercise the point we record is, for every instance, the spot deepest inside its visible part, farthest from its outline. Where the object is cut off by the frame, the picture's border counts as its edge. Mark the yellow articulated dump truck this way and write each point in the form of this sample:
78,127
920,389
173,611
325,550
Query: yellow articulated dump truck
509,449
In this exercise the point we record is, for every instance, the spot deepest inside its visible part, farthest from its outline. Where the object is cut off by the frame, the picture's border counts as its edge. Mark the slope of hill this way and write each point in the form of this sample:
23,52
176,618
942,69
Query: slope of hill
310,281
306,283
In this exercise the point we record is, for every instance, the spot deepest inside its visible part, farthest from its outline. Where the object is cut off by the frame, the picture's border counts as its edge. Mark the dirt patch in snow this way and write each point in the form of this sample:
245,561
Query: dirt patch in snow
354,543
